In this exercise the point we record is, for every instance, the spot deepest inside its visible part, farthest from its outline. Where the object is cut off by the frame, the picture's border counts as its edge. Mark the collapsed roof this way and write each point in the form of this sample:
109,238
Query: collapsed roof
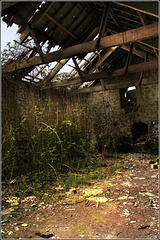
99,37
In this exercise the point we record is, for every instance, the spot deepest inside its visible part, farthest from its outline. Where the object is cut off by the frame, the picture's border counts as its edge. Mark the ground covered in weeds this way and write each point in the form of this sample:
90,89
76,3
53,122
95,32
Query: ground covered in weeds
117,200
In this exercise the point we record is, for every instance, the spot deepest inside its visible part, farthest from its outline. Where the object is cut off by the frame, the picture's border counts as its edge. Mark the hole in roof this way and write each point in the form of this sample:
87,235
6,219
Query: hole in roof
42,4
95,37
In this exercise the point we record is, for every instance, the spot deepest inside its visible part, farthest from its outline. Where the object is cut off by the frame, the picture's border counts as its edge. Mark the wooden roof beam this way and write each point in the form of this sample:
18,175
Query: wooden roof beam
116,19
103,23
102,59
150,42
139,53
55,70
65,29
129,57
77,68
26,31
142,73
39,50
118,39
121,82
150,8
147,66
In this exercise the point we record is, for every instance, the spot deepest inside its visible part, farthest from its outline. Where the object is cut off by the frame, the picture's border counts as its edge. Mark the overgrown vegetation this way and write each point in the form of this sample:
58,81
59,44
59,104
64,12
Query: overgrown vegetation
48,138
44,137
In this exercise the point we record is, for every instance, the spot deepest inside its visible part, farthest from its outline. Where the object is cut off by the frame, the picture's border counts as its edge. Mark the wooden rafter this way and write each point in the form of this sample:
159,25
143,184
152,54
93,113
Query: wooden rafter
147,66
86,47
55,70
116,19
156,53
120,82
58,66
65,29
43,14
142,18
77,68
142,73
40,70
26,29
39,50
120,26
127,18
31,48
151,9
103,23
151,43
139,53
129,57
102,59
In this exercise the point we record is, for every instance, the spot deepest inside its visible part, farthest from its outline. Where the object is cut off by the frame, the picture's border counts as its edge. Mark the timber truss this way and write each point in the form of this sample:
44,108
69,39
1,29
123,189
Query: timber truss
106,41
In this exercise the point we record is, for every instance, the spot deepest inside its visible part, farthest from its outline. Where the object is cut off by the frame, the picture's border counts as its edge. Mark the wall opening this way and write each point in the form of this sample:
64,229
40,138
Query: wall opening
128,98
139,131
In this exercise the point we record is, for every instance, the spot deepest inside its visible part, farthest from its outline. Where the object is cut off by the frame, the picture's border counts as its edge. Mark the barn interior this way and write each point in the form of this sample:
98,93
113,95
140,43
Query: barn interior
105,103
114,51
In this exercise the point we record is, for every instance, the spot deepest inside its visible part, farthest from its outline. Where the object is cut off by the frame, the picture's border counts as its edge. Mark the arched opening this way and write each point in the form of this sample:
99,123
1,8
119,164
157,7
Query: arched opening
128,98
130,94
139,131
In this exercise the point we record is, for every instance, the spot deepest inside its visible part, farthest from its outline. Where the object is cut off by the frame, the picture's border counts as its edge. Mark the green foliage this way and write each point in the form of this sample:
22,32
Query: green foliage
44,137
61,76
13,52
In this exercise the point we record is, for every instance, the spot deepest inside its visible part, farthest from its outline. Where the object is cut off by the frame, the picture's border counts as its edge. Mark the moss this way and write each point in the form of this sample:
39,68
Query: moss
96,216
80,229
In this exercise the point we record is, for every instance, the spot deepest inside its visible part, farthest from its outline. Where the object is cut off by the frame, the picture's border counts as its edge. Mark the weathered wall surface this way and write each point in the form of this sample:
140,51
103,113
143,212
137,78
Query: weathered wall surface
114,123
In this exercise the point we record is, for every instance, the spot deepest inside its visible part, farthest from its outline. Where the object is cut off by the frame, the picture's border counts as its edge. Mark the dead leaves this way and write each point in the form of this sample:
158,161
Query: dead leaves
7,211
29,198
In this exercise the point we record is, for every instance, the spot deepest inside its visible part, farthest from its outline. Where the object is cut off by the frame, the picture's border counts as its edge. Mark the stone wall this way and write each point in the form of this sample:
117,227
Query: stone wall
115,124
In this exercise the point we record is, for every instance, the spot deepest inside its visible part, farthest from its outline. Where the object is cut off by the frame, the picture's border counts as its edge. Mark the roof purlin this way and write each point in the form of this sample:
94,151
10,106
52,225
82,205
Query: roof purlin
133,35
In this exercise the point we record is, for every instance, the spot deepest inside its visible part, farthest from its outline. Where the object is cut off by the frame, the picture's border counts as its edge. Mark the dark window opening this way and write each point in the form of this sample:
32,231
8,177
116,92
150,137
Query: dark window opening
128,98
139,131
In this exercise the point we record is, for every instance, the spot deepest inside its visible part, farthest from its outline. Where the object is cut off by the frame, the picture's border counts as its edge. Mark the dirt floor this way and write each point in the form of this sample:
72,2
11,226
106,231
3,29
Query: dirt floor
124,206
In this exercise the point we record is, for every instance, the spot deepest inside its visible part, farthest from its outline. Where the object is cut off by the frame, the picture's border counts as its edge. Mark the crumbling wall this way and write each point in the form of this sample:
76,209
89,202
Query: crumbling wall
115,124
